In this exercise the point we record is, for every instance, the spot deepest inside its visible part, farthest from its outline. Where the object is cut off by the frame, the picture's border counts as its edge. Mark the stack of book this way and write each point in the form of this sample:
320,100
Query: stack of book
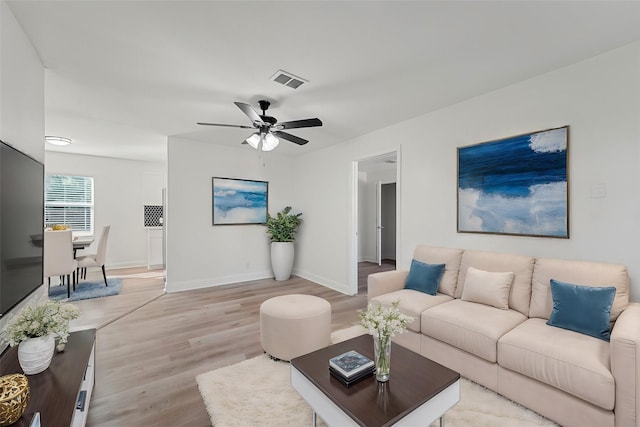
351,367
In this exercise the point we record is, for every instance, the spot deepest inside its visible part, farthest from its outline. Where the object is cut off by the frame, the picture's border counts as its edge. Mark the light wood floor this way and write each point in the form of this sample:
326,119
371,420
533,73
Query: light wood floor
151,345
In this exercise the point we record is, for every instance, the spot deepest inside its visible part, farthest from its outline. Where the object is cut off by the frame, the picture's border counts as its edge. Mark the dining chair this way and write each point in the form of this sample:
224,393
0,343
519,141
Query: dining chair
97,259
58,257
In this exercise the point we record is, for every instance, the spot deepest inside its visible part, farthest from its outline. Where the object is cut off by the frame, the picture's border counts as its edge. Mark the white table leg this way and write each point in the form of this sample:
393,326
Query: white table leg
314,419
441,421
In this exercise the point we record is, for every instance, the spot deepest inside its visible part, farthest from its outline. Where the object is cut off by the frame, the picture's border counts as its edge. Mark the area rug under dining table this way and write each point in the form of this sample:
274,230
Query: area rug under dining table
87,289
257,393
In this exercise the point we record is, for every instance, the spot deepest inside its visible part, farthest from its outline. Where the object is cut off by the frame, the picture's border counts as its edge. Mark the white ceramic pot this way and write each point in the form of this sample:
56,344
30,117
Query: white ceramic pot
34,354
282,259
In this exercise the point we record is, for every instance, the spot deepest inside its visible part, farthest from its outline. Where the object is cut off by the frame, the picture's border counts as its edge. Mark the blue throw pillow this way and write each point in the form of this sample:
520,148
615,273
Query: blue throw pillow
424,277
584,309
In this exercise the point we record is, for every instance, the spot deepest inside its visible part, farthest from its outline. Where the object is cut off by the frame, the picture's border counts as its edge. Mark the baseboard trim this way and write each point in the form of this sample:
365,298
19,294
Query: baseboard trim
120,265
189,285
336,286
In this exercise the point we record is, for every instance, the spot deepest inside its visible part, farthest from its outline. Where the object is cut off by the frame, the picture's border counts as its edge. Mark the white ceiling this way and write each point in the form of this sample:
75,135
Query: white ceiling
121,76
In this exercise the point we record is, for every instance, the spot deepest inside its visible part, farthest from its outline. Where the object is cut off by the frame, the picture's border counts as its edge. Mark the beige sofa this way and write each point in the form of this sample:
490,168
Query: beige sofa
570,378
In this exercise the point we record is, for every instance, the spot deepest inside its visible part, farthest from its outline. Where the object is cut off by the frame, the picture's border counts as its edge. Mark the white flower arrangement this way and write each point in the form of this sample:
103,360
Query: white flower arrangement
384,322
39,320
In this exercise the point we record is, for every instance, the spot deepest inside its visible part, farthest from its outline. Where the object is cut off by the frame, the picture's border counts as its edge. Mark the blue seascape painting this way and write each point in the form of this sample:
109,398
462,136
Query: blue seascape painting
516,185
239,201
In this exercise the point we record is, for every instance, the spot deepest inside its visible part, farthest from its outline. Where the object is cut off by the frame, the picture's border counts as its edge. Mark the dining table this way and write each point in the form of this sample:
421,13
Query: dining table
81,242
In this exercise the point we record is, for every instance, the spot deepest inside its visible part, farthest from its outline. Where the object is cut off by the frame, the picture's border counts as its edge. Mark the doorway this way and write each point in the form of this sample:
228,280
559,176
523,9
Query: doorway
386,236
376,218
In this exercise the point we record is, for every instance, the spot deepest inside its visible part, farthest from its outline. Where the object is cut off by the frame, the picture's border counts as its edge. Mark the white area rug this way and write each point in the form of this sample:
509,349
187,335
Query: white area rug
257,393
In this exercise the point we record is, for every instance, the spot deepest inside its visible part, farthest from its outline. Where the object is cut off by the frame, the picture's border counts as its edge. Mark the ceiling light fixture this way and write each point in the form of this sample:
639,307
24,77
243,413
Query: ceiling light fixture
57,140
254,140
265,142
269,142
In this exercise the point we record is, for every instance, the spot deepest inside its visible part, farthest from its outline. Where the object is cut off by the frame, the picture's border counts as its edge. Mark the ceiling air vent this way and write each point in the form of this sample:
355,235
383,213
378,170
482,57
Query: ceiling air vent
288,79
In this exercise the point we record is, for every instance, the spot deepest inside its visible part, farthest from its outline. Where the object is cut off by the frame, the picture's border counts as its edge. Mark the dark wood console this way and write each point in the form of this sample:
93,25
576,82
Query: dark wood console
55,392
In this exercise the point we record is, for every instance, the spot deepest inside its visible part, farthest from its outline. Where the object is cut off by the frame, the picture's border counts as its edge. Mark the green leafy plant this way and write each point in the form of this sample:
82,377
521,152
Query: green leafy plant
39,320
283,226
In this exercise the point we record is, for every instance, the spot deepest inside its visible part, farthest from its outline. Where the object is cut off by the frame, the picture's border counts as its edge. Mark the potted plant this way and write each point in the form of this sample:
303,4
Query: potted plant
281,230
34,331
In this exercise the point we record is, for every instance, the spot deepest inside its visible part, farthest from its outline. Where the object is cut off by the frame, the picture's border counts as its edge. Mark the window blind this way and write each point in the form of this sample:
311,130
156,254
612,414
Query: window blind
69,201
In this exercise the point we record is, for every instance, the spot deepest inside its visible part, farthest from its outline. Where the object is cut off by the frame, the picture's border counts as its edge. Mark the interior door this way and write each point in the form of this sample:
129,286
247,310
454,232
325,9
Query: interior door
388,223
379,225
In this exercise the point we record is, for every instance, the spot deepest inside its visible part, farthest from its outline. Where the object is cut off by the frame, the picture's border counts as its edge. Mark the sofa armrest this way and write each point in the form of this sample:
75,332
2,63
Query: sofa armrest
625,365
385,282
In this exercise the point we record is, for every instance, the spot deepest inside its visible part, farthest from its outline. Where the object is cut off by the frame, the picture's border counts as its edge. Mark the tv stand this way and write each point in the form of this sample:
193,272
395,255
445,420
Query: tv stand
55,392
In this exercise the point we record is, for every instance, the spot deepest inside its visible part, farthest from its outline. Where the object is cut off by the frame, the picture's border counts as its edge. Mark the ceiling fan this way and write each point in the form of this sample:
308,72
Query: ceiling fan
268,127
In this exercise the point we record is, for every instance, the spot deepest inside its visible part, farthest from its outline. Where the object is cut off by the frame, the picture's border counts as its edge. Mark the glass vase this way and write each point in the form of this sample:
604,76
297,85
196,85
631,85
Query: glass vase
382,352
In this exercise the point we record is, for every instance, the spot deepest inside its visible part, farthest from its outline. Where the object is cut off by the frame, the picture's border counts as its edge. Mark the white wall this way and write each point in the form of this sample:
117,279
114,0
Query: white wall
323,189
366,222
21,89
21,100
121,188
599,99
198,253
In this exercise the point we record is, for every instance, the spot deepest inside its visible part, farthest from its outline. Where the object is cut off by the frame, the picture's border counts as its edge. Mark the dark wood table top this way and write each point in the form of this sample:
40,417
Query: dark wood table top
53,392
414,380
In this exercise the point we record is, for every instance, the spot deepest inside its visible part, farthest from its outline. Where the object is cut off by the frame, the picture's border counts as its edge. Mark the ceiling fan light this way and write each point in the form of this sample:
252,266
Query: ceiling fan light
270,142
254,140
57,140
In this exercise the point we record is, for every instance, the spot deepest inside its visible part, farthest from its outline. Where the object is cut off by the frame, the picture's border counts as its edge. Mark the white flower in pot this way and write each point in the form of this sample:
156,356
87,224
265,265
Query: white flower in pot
34,331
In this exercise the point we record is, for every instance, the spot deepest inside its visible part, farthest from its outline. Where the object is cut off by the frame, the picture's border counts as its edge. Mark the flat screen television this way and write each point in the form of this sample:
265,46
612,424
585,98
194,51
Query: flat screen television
21,226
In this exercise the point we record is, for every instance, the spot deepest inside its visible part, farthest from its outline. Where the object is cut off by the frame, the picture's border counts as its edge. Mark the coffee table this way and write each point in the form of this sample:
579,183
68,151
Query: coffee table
419,391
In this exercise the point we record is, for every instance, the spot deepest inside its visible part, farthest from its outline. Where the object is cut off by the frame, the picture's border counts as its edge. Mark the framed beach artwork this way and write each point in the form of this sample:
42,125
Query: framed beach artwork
239,201
516,186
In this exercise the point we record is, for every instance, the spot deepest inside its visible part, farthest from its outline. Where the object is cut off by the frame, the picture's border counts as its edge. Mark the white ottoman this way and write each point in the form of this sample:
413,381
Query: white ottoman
293,325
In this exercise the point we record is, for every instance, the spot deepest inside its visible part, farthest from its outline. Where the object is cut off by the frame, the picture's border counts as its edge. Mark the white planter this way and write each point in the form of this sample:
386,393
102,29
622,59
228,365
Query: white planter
34,354
282,259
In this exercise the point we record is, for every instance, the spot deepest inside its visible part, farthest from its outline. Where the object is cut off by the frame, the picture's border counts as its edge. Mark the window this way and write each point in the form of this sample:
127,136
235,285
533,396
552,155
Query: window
69,200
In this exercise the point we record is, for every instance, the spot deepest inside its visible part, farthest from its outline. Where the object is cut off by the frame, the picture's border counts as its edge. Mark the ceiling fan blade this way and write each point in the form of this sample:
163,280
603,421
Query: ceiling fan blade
306,123
289,137
229,126
251,113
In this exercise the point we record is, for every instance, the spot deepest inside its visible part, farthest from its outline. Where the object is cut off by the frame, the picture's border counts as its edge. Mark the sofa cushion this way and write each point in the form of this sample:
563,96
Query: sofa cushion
474,328
520,265
424,277
448,256
572,362
485,287
412,303
585,273
584,309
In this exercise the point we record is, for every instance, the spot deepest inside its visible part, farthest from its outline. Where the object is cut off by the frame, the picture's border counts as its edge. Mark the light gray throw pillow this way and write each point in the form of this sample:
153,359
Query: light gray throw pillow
486,287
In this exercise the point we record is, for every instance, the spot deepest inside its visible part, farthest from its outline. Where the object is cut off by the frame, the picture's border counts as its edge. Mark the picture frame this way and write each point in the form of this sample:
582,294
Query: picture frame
516,185
239,201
